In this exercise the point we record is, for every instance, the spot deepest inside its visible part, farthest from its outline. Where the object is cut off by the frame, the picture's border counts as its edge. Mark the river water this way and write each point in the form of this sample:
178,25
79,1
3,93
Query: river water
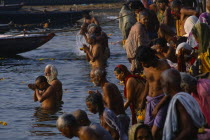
24,117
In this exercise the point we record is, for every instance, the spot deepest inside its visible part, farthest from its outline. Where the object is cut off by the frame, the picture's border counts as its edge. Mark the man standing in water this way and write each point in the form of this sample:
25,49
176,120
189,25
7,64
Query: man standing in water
111,95
156,109
94,53
69,127
51,74
45,93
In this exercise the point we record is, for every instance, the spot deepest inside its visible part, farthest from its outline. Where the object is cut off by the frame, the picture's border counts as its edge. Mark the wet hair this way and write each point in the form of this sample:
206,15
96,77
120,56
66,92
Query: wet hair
143,54
99,72
96,99
53,70
81,117
172,76
176,3
187,80
41,79
136,5
121,68
66,120
160,41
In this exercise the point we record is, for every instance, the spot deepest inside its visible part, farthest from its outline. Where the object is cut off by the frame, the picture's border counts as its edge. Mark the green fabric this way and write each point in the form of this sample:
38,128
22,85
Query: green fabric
202,32
132,131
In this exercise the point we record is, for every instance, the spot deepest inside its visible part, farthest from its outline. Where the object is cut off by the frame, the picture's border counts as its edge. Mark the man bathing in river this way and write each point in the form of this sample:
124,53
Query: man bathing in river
156,100
45,93
111,95
51,75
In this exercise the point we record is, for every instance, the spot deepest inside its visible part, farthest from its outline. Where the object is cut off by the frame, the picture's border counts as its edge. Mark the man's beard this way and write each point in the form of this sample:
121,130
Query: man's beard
50,78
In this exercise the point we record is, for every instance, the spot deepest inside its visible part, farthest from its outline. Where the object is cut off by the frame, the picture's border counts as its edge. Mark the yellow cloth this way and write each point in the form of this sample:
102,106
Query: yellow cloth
205,62
123,42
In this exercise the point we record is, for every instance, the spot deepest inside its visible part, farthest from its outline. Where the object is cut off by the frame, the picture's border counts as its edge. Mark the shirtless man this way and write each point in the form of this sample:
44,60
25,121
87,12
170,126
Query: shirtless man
184,116
83,120
180,14
51,74
111,95
94,53
90,19
133,90
45,93
164,51
69,127
156,100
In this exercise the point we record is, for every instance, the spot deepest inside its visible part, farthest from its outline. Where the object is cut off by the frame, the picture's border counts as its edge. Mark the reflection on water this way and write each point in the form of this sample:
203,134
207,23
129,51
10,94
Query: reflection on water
24,117
44,119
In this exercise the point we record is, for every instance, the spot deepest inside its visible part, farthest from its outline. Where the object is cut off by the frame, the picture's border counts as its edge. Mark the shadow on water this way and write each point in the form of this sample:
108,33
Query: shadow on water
44,120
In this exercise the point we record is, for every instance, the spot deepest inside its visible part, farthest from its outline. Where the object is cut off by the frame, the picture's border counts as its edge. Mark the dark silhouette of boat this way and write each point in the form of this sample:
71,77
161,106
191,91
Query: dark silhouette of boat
38,17
11,7
11,45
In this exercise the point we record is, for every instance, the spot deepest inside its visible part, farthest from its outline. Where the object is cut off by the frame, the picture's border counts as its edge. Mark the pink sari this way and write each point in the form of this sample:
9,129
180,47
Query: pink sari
203,97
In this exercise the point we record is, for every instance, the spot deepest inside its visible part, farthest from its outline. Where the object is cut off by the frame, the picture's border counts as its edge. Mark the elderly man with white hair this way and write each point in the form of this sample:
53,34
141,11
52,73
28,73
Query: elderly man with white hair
200,90
70,128
51,74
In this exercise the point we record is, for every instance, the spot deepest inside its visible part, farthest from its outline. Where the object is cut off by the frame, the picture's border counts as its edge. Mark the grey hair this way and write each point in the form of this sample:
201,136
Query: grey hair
172,76
187,80
99,72
53,70
66,120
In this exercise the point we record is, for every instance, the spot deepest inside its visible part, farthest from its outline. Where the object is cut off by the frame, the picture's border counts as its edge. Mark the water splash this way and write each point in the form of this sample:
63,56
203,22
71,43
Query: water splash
80,40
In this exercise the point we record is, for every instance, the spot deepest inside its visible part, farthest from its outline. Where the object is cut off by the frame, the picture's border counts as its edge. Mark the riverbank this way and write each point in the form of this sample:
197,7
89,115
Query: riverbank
92,7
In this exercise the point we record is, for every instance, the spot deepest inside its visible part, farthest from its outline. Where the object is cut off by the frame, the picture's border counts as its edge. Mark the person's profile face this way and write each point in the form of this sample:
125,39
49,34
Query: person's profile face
47,72
142,134
144,20
119,76
40,85
92,108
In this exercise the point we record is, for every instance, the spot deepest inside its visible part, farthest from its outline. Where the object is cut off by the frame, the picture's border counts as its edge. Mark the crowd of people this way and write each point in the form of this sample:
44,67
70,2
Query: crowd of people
167,87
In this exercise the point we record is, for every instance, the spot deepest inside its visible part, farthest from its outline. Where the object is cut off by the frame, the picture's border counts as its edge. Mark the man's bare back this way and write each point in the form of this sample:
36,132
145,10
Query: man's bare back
112,98
58,87
153,77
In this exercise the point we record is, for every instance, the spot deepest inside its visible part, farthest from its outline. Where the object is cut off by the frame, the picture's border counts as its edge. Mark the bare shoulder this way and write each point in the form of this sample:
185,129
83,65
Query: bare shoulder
56,82
131,81
87,133
163,64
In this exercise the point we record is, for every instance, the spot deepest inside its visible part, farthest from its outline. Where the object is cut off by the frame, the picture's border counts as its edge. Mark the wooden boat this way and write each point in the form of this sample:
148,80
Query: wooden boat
38,17
11,7
4,28
11,45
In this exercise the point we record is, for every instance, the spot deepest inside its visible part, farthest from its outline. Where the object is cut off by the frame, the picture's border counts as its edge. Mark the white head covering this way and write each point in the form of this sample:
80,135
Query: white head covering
189,23
183,45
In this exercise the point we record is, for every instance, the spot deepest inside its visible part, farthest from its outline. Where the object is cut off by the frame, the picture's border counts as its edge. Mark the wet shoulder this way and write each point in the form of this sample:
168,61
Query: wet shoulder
163,64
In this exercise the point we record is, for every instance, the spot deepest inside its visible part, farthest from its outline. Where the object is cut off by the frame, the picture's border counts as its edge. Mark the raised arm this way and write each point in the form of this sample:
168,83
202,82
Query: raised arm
45,95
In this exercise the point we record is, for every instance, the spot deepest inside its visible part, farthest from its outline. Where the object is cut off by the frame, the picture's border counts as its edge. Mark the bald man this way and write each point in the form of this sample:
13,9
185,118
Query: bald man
83,120
69,127
184,116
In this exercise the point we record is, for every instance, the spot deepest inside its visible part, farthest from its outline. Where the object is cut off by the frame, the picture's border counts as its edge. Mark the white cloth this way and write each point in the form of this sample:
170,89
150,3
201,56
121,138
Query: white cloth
192,108
189,23
183,45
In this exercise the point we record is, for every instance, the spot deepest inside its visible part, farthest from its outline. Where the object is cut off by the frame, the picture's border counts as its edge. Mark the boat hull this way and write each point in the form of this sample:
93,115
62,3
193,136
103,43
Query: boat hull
10,46
29,17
